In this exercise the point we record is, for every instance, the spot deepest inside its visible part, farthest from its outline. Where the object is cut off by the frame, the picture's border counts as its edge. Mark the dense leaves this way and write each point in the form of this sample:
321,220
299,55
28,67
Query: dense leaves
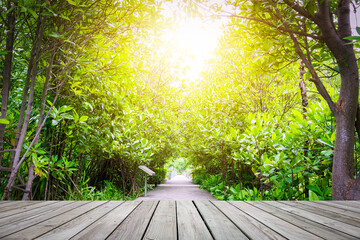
89,94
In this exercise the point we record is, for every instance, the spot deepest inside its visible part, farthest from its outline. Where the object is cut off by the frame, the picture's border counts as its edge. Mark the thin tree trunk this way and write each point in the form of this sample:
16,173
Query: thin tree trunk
16,165
10,26
49,162
24,99
31,175
304,104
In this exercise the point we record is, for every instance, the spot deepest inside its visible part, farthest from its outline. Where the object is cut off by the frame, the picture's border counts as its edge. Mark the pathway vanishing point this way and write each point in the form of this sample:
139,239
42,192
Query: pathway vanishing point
178,188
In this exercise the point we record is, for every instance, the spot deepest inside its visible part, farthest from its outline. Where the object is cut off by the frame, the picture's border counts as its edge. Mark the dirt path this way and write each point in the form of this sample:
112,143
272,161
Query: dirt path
178,188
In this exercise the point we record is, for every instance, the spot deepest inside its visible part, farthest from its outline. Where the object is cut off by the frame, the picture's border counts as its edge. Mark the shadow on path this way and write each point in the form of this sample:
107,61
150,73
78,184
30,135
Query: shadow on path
178,188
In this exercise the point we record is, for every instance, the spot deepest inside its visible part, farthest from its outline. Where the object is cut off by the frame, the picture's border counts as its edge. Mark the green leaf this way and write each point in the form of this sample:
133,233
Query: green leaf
55,35
353,38
33,13
314,189
65,108
4,121
65,17
72,2
83,118
313,196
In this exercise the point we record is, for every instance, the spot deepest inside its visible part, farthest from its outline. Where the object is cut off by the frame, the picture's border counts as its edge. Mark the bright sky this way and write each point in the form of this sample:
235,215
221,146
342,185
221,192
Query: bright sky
195,41
355,18
192,42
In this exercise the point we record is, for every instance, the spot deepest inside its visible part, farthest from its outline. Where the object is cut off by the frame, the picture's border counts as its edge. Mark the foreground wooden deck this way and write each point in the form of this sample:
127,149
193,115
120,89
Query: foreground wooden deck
179,220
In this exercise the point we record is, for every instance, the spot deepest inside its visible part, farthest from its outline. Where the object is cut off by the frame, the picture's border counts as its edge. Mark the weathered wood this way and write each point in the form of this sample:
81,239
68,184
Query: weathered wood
326,213
163,223
27,222
37,229
340,226
248,225
32,213
24,208
190,223
219,225
76,225
346,205
351,203
134,226
102,228
284,228
179,220
14,205
332,209
306,224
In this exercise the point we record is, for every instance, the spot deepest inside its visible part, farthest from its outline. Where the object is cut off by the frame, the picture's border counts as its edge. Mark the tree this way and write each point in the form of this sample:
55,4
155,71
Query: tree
318,31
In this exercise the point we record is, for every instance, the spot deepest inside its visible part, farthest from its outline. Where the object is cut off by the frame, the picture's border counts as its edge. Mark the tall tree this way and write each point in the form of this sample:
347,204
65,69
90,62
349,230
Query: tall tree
317,30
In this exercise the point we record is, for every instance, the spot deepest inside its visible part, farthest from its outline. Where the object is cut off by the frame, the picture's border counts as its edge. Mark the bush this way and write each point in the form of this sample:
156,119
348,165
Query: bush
160,175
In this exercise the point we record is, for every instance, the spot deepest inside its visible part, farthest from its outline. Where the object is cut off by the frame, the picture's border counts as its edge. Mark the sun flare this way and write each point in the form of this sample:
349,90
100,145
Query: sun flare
192,42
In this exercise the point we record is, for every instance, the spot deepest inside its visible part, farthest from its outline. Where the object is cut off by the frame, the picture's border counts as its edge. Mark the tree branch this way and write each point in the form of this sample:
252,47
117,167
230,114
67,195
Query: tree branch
315,78
229,14
299,9
287,30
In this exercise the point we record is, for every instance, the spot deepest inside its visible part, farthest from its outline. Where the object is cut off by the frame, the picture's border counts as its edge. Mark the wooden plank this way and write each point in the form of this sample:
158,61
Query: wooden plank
37,229
25,208
333,209
219,225
337,204
351,203
134,226
284,228
17,226
306,224
163,222
340,226
190,223
326,213
252,228
76,225
13,205
102,228
32,213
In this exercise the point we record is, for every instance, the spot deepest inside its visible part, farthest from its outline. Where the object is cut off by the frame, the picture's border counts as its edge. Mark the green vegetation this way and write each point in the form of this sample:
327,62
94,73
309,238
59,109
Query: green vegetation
91,89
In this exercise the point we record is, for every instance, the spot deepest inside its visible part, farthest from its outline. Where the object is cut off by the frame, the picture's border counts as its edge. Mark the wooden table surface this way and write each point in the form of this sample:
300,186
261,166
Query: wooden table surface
179,220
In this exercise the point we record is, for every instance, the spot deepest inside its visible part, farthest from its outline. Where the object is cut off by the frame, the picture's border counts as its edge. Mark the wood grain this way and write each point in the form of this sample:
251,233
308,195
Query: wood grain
102,228
163,224
134,226
220,226
37,229
190,223
339,226
277,224
248,225
179,220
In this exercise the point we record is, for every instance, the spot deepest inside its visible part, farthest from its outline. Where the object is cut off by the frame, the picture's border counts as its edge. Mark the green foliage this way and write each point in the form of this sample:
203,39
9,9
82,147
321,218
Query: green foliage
106,193
160,175
240,128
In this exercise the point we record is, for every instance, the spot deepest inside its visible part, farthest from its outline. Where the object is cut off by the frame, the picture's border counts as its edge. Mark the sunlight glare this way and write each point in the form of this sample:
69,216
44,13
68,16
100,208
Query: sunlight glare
193,42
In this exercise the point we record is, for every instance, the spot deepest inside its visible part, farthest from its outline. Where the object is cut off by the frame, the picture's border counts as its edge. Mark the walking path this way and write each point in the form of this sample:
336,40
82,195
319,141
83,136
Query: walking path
178,188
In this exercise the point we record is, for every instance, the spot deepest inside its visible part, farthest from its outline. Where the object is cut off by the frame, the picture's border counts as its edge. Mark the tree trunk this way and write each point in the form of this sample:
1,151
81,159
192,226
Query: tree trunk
24,100
31,175
10,27
345,186
16,163
304,104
